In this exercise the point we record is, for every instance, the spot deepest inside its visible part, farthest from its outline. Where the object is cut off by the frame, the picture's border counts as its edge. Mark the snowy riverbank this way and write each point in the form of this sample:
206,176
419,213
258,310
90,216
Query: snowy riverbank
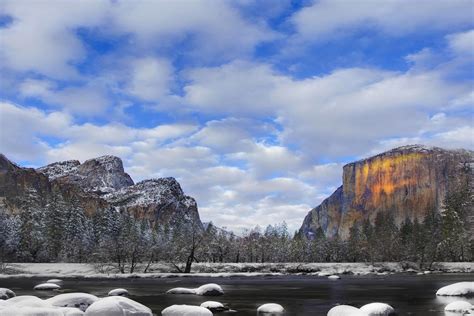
85,270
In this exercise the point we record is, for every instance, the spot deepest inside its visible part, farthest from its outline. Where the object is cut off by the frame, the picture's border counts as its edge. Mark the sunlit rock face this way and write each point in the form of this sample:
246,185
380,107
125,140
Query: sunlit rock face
407,181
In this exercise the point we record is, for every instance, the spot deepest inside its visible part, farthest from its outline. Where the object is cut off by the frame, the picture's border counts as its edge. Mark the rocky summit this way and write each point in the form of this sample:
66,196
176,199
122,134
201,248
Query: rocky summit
99,175
407,181
95,185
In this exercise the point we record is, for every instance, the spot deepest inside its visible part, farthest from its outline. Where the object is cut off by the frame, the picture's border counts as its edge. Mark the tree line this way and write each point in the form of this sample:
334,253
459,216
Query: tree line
66,234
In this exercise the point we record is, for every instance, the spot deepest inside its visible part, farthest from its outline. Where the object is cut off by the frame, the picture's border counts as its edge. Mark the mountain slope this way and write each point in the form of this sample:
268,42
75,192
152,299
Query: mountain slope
96,185
407,181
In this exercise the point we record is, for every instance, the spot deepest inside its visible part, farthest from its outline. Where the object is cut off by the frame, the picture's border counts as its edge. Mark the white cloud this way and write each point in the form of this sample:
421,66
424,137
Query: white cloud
83,150
341,113
232,135
150,78
42,36
238,87
75,141
462,43
215,29
457,138
327,19
88,99
461,137
21,130
269,160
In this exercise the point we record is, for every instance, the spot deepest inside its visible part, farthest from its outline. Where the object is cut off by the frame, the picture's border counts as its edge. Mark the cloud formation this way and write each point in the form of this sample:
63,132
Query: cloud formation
219,94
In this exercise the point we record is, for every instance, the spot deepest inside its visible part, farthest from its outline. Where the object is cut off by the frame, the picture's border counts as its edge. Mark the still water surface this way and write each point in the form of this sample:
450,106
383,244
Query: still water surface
300,295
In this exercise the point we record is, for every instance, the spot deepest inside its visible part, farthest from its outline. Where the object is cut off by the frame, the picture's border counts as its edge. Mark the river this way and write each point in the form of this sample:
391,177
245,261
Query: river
300,295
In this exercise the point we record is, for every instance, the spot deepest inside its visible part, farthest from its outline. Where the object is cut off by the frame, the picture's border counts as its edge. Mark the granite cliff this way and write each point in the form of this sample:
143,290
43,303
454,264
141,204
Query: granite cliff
95,185
407,181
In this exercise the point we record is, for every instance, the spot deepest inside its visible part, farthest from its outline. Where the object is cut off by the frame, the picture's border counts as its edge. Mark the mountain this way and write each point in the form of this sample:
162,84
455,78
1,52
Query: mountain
98,184
99,175
408,181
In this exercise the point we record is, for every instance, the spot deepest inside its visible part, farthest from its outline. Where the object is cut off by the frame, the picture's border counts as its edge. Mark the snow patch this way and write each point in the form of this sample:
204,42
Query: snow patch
210,289
5,294
47,287
31,311
55,281
70,311
270,308
117,305
77,300
457,289
459,307
118,292
28,301
334,277
159,270
214,306
377,309
186,310
345,310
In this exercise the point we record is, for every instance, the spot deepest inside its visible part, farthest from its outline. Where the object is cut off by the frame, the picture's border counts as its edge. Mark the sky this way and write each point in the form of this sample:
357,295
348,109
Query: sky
254,106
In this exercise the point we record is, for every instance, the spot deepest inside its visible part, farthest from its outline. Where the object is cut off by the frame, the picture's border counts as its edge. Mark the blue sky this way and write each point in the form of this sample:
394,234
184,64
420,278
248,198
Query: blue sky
254,106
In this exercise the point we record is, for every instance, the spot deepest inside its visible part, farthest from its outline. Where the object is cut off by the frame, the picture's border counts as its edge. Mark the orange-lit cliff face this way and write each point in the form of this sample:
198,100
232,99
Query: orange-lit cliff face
407,181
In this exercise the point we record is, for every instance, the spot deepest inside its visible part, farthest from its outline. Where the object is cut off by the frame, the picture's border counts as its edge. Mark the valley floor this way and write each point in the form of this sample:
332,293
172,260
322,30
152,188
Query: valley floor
163,270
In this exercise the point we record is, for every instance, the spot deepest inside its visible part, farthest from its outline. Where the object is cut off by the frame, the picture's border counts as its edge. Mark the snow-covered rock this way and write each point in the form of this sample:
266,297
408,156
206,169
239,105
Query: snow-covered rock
457,289
31,311
77,300
71,311
214,306
5,293
186,310
39,311
118,292
345,310
154,198
117,305
270,308
378,309
47,287
100,175
59,169
55,281
459,307
181,290
28,301
334,277
210,289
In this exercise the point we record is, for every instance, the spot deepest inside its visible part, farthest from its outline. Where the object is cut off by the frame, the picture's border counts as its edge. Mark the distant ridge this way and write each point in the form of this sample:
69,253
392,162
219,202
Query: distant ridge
95,185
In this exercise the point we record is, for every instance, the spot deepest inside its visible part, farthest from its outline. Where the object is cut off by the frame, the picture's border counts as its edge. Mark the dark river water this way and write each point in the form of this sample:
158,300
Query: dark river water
299,295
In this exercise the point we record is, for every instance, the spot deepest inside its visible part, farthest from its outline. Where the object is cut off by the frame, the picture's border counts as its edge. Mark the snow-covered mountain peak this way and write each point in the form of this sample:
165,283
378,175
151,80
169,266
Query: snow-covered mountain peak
100,175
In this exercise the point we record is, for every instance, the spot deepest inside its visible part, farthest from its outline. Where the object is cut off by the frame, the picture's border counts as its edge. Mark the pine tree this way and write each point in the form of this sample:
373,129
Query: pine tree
406,241
456,230
354,243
